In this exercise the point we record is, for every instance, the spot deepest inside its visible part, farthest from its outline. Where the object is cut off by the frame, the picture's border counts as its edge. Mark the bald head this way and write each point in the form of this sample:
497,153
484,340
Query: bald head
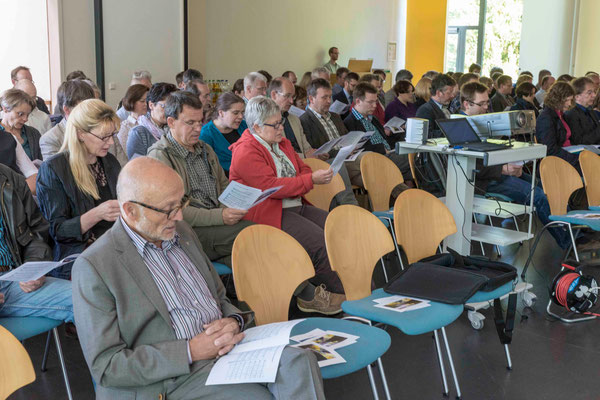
27,86
145,179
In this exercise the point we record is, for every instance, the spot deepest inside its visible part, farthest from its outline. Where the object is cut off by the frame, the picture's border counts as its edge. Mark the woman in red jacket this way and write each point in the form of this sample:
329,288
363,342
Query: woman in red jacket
263,158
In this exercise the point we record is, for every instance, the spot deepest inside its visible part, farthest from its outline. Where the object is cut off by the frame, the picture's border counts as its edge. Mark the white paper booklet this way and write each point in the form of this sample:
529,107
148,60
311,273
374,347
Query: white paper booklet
338,107
350,142
395,124
256,358
401,303
242,197
30,271
297,111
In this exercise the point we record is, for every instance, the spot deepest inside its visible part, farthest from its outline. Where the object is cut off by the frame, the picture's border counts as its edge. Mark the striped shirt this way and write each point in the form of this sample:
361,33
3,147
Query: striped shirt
328,125
376,137
5,254
182,287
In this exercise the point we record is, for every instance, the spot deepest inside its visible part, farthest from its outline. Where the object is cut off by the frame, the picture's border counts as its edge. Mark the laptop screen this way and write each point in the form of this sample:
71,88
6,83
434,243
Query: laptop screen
458,131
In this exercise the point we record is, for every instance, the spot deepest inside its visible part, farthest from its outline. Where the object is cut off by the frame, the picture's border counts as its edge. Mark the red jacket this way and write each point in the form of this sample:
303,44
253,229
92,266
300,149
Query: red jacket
253,165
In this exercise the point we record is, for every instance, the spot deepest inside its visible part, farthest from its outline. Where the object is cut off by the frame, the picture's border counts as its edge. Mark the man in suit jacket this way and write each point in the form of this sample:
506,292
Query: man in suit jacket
281,90
502,99
442,92
150,309
345,95
320,126
584,124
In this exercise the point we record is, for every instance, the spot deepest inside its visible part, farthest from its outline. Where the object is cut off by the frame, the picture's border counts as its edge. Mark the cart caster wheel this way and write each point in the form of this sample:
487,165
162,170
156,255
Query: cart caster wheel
476,320
529,299
477,325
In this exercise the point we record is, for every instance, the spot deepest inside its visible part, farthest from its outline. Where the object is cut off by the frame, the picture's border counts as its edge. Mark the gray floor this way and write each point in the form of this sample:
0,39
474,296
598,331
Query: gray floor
551,360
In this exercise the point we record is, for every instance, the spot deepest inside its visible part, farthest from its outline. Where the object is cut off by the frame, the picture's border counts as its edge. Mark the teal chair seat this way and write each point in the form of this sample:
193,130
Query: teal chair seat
222,269
591,223
26,327
494,294
415,322
385,216
594,208
371,344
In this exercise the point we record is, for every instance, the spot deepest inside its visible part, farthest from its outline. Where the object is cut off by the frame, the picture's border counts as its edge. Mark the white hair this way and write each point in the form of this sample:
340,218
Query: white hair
258,110
316,73
253,77
141,74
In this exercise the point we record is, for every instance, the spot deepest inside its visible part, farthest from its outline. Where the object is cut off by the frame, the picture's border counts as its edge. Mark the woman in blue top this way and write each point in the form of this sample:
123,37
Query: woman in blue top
226,127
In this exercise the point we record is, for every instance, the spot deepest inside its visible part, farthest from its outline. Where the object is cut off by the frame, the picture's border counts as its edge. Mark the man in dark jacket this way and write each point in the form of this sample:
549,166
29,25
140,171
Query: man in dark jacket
346,95
442,92
23,235
584,124
502,99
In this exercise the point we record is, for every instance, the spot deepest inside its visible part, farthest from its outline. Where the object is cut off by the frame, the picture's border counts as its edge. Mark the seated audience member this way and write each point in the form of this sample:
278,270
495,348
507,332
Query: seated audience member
202,90
320,126
191,74
382,140
267,75
291,76
215,225
345,96
320,72
376,82
547,82
151,311
381,94
507,179
238,88
494,70
152,126
596,105
21,72
541,75
77,187
595,78
525,98
442,92
551,128
281,91
390,95
135,104
455,75
306,79
583,121
524,77
138,78
225,128
502,99
77,74
179,79
475,69
16,106
565,78
332,65
422,92
430,74
263,158
487,81
340,76
454,106
255,84
43,297
300,97
37,119
69,94
403,106
13,156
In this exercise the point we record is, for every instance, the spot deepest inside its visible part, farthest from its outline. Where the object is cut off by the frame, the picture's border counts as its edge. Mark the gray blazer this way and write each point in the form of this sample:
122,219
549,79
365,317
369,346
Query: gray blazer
123,323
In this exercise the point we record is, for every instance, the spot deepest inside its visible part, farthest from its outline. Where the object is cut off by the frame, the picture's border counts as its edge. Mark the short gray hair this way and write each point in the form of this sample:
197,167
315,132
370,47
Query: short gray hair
141,74
317,71
253,77
258,110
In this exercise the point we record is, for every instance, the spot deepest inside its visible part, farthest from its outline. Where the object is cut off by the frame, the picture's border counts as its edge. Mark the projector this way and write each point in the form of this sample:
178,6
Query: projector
508,123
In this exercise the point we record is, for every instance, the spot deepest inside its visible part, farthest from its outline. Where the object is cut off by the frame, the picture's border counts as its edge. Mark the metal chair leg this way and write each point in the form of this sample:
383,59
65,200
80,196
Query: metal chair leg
537,240
372,380
458,394
384,379
46,351
391,224
384,270
62,363
441,361
508,359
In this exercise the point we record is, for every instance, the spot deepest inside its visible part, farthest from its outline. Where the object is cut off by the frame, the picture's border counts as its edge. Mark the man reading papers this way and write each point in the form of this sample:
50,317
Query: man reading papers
151,311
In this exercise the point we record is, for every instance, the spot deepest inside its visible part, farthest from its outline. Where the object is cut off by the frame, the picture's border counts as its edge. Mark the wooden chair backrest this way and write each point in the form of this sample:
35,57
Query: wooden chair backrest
321,195
268,266
590,166
413,167
16,369
421,222
356,240
380,176
559,180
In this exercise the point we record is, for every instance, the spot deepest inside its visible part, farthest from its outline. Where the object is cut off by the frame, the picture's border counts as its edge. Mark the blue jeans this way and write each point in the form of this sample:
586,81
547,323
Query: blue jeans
519,190
52,300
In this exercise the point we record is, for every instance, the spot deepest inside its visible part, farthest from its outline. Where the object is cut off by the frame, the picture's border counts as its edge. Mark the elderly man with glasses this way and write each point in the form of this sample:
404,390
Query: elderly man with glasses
151,312
196,162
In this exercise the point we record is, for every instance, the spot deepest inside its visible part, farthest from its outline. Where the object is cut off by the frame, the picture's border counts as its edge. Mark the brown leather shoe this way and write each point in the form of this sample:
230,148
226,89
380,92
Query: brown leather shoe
324,302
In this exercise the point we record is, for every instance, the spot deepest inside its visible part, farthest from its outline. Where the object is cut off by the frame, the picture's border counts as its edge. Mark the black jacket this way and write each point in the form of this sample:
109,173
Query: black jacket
524,105
63,203
341,96
499,103
27,230
33,137
352,124
314,131
431,111
550,131
585,127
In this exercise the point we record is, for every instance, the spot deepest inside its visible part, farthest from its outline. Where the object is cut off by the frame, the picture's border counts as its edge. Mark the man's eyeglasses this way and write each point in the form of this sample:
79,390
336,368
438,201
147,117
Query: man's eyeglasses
287,96
276,125
482,104
185,201
103,138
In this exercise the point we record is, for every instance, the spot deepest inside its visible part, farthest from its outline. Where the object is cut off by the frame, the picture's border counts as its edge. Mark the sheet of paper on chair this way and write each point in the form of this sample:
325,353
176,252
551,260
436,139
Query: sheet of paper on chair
32,270
256,366
297,111
401,303
242,197
325,355
338,107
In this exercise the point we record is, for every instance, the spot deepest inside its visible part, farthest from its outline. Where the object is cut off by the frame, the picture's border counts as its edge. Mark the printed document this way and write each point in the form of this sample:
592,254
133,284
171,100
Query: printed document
242,197
338,107
32,270
297,111
395,124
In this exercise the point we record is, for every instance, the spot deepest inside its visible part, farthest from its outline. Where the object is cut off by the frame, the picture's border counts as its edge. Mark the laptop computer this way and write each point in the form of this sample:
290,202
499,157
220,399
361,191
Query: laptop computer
459,132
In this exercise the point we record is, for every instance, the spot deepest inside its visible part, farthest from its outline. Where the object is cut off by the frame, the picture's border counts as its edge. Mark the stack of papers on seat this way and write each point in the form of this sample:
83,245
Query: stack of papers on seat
324,344
400,303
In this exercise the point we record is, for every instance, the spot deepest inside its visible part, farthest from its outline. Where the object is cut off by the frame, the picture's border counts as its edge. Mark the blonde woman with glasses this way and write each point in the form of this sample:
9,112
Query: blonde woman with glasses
77,187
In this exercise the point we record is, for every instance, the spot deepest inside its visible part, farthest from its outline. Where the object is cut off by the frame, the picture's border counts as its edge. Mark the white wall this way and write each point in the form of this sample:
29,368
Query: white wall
229,38
587,55
546,35
77,37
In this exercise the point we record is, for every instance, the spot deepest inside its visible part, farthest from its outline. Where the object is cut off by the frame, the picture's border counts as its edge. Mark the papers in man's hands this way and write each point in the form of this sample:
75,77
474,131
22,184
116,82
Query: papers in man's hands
242,197
395,124
32,270
324,343
296,111
338,107
355,137
255,358
400,303
352,142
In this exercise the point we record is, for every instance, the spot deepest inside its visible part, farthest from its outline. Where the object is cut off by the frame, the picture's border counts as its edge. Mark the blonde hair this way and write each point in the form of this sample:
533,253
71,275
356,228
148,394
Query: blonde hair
86,116
422,89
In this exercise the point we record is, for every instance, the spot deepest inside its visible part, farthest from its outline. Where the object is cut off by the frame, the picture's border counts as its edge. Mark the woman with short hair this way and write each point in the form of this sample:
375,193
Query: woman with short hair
77,187
16,107
422,92
135,103
403,106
